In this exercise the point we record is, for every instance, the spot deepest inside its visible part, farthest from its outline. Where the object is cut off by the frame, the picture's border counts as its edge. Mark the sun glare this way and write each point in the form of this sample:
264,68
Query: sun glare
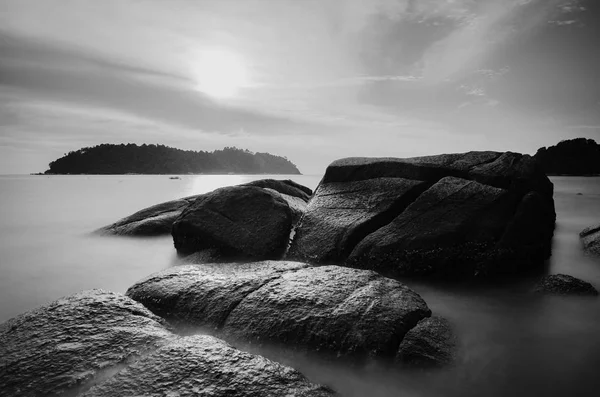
219,73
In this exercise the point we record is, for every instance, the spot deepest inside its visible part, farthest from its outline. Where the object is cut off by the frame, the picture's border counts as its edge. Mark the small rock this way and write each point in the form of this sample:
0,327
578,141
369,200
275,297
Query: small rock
431,343
590,237
563,284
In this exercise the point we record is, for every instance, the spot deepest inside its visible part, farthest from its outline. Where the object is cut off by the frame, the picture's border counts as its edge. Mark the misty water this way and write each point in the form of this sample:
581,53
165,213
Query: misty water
511,342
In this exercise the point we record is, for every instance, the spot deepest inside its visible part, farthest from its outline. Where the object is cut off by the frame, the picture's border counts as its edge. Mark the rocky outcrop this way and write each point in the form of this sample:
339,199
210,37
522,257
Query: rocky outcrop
590,238
152,221
99,343
225,222
563,284
476,213
332,309
431,343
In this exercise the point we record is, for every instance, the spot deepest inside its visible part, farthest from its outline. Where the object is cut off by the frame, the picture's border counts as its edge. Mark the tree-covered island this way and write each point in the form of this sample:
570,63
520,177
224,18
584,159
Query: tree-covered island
579,156
160,159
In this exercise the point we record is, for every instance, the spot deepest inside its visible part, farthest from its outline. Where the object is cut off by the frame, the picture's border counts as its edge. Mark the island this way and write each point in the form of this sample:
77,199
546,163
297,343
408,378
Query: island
573,157
160,159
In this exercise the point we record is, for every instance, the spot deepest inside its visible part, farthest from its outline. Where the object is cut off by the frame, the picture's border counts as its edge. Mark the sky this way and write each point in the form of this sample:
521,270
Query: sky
312,80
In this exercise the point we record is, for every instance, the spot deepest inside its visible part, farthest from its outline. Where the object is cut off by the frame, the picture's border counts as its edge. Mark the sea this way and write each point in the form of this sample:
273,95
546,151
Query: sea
512,343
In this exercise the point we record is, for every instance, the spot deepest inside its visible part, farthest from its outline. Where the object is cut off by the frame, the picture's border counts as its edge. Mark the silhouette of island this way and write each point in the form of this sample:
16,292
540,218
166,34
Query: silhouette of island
578,156
160,159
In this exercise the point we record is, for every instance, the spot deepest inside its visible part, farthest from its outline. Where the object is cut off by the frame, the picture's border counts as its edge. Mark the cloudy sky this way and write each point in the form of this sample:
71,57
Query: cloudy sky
313,80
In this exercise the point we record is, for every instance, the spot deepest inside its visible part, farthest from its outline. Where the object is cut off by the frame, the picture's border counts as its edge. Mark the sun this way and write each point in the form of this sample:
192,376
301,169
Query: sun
219,73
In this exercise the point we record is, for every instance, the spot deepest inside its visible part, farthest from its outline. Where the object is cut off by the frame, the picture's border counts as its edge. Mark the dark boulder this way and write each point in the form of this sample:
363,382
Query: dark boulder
239,221
347,312
431,343
343,213
563,284
476,213
98,343
590,237
152,221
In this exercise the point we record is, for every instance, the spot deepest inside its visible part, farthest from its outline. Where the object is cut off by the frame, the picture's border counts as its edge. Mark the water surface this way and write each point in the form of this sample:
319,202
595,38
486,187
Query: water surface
512,343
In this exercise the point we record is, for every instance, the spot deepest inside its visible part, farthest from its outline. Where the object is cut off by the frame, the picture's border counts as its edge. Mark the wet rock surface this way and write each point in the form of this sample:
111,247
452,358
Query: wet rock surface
238,221
68,343
203,365
152,221
287,187
98,343
344,311
563,284
454,215
431,343
590,238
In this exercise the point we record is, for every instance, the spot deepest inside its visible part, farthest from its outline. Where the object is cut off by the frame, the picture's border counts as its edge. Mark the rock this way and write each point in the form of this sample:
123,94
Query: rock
431,343
563,284
590,237
287,187
343,213
68,344
203,365
98,343
152,221
338,310
453,215
240,222
158,220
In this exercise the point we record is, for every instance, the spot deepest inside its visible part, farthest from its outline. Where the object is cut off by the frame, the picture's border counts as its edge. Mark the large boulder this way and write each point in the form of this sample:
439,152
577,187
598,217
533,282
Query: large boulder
98,343
563,284
431,343
590,237
238,221
476,213
156,220
338,310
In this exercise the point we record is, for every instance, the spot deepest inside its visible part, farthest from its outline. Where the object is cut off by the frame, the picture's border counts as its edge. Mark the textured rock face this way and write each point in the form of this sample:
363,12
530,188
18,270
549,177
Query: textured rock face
70,342
238,221
431,343
590,237
152,221
348,312
206,366
98,343
477,213
563,284
158,220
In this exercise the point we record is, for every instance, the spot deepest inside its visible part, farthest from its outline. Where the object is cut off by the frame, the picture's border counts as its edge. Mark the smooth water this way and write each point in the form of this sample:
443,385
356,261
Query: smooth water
512,342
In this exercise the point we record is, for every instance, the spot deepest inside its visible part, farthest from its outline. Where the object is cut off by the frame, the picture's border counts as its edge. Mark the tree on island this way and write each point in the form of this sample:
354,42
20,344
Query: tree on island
160,159
579,156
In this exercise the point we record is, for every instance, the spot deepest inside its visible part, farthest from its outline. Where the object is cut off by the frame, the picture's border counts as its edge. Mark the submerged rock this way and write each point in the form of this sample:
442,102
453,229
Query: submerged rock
590,237
347,312
476,213
99,343
563,284
152,221
431,343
